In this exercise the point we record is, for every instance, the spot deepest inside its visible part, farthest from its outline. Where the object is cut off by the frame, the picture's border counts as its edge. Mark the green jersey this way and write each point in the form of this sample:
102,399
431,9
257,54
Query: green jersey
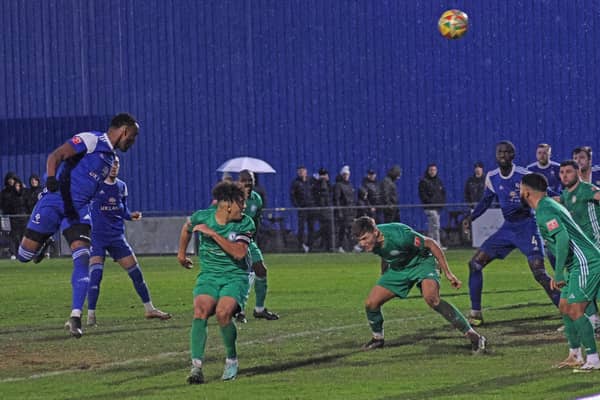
212,257
402,246
571,247
584,209
254,205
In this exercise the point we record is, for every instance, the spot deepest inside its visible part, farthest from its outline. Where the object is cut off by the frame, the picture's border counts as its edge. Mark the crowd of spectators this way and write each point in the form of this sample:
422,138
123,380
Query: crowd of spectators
16,202
315,195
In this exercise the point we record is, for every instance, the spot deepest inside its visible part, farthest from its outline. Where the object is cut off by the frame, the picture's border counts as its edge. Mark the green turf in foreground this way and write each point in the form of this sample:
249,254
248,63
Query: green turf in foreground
312,352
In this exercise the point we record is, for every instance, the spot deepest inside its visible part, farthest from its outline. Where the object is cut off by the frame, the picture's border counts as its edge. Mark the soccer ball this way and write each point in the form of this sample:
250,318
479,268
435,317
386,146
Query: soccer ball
453,24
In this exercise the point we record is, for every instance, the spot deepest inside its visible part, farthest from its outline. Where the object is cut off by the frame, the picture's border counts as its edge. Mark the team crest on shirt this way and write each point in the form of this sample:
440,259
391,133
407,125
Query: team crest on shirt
417,241
574,199
394,252
231,237
76,140
552,224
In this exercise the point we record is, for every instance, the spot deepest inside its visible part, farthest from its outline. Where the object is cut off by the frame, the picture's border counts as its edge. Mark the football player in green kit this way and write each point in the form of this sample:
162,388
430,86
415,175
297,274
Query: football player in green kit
254,205
407,259
222,285
576,253
582,200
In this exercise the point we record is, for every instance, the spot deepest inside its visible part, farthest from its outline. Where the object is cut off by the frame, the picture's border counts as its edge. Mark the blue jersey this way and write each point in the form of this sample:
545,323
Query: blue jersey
80,175
507,191
551,172
109,210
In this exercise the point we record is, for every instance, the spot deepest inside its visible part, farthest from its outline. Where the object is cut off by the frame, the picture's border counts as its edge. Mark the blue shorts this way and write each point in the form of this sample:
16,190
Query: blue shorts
48,215
117,247
523,235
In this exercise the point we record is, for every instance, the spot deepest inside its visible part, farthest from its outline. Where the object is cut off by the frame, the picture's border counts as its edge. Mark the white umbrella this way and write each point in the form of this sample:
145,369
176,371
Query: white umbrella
252,164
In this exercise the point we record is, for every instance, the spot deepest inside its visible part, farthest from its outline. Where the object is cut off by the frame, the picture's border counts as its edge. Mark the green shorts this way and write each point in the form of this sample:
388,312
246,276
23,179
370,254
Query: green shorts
401,281
217,286
255,253
581,288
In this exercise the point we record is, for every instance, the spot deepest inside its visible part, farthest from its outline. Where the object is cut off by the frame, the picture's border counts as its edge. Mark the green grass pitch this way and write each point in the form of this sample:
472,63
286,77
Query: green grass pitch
312,352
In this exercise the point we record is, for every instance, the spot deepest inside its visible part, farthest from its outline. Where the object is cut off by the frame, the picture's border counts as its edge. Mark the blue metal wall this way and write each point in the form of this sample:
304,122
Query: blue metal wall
317,82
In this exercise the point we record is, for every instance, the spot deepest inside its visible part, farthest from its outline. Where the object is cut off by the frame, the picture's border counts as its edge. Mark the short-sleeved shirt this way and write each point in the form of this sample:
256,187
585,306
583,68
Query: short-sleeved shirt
506,189
213,259
553,218
402,246
584,209
81,175
109,209
551,171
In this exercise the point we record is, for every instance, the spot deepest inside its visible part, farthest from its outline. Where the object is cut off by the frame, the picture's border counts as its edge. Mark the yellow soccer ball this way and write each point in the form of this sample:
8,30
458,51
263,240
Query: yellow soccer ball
453,24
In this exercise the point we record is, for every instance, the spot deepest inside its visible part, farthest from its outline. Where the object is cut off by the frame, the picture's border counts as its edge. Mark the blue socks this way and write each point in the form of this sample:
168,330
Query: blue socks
475,288
135,273
96,271
80,278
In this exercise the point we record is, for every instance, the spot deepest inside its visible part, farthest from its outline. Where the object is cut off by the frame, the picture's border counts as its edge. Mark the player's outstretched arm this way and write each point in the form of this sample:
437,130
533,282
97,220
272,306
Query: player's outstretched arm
184,241
438,253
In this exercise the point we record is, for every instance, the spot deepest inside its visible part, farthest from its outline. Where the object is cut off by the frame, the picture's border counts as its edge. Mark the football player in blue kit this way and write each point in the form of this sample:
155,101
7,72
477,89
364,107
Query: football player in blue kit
545,166
519,229
74,172
109,212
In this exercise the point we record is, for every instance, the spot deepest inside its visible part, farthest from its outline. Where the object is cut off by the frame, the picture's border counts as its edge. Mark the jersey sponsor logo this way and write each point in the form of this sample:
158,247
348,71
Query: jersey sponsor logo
76,140
417,241
552,225
112,200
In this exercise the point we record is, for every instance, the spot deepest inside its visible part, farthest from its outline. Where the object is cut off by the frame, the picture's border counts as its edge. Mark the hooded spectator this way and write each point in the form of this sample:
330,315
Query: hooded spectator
32,193
389,195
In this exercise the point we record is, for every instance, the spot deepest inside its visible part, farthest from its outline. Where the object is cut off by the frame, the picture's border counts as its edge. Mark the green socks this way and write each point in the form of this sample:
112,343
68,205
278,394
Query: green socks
375,318
229,334
452,315
571,333
260,289
198,338
586,334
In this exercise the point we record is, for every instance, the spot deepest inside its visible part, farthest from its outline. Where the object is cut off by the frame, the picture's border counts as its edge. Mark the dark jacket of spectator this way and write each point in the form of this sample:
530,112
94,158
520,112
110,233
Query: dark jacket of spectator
33,192
14,201
372,189
343,196
8,192
301,193
322,192
432,191
388,195
474,188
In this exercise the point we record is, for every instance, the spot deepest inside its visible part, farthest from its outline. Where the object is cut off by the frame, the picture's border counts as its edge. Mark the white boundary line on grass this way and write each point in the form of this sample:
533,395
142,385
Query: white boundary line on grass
108,366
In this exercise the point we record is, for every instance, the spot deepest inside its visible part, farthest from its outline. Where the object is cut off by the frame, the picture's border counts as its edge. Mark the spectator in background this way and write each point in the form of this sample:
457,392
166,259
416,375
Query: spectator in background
322,194
32,193
14,205
546,167
7,190
368,195
302,197
343,196
475,185
433,194
389,195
